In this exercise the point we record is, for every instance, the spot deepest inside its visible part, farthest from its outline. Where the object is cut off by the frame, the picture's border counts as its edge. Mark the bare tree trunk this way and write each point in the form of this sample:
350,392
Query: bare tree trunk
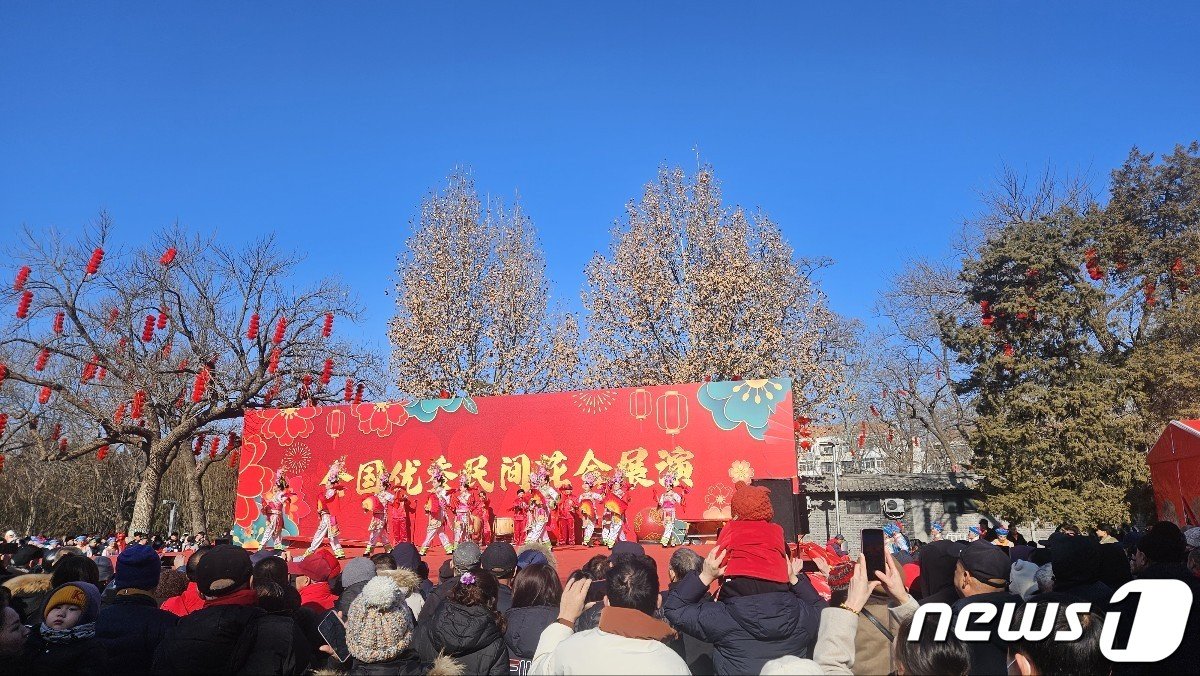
147,497
195,491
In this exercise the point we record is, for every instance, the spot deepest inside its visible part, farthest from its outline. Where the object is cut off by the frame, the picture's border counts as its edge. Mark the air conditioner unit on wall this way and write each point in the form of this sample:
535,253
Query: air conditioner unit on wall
893,505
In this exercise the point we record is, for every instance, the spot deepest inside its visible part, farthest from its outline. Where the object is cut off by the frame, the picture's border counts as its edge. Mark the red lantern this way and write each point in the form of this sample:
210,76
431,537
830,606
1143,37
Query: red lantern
101,373
327,372
166,349
121,343
306,382
1008,350
3,373
59,319
233,459
280,330
40,363
1,464
3,423
805,444
328,328
139,400
358,394
444,394
148,329
102,452
197,445
44,395
119,414
23,305
113,315
93,265
167,257
1093,265
89,369
201,384
22,277
1150,288
252,330
986,317
349,394
214,447
1177,267
162,318
273,362
62,445
874,411
56,432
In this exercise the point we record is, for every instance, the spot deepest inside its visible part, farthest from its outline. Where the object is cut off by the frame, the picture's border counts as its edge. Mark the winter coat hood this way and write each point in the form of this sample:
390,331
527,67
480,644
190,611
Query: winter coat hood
28,584
460,629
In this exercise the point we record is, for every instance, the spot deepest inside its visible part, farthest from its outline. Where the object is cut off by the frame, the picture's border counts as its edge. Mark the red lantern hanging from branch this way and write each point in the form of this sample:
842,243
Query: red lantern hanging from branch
1177,267
23,304
62,445
349,393
162,318
252,330
3,373
119,414
1008,350
89,369
273,362
59,320
166,349
3,423
985,311
148,329
44,395
201,384
233,459
113,315
327,330
1093,265
1149,289
139,400
198,445
168,257
56,432
22,277
42,359
93,264
280,330
214,447
358,394
100,373
305,384
874,411
102,452
327,372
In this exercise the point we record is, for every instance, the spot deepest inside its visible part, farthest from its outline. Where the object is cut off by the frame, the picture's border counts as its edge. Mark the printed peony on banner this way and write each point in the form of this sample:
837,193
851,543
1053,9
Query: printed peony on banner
712,434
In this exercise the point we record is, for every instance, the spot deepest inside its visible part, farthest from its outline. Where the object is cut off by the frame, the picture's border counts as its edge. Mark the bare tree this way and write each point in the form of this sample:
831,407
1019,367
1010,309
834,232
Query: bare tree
472,302
690,289
143,350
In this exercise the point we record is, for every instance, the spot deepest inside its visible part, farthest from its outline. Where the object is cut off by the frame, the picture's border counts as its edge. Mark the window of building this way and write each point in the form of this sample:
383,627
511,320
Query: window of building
957,504
860,506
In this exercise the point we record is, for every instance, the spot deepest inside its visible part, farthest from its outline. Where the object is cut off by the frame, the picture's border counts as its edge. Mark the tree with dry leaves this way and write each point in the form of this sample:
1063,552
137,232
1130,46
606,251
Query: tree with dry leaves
691,288
143,351
473,313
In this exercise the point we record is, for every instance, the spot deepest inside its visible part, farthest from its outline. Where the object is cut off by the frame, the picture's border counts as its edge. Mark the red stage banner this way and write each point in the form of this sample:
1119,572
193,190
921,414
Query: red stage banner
711,434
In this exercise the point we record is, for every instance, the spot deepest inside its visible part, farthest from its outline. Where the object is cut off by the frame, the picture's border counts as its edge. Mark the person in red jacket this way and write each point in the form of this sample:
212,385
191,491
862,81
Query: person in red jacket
482,515
332,487
399,515
566,516
312,580
520,510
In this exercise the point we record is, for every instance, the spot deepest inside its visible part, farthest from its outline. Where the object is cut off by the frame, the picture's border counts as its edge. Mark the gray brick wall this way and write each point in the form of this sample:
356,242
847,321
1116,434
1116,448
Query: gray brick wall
920,510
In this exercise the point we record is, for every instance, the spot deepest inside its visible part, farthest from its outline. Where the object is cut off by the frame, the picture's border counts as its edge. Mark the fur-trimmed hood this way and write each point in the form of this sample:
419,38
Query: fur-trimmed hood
543,548
29,583
447,666
404,579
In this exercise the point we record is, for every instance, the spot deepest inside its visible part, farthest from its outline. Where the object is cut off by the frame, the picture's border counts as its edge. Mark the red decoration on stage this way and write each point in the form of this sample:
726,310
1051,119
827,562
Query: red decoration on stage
499,441
22,277
23,304
93,265
168,257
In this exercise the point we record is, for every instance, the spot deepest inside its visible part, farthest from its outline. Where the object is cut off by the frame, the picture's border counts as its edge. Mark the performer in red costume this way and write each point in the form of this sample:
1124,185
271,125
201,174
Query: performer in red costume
616,502
333,486
566,516
437,506
520,510
399,515
482,517
275,503
377,532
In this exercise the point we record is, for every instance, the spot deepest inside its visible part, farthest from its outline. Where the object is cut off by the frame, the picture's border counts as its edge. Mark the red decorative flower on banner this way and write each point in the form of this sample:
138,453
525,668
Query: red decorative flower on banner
252,483
380,417
288,424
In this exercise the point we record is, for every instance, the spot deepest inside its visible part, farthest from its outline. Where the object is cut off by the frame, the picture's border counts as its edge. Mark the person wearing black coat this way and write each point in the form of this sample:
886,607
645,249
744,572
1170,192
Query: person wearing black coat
751,623
65,647
467,627
131,624
524,627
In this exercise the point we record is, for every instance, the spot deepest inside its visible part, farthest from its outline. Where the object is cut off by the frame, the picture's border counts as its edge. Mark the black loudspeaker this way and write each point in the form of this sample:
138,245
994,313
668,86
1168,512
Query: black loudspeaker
790,510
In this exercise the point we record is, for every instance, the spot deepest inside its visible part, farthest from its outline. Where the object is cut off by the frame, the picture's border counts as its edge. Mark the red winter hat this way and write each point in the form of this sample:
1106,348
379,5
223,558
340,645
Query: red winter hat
318,567
751,503
754,549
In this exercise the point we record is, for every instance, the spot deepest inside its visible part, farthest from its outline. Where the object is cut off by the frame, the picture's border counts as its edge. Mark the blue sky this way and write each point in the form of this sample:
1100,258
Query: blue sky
867,132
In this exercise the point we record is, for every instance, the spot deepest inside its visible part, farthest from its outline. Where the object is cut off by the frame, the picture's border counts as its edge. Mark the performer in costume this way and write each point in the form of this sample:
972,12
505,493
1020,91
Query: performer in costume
275,502
669,502
972,533
482,517
615,504
566,516
377,506
935,531
543,499
464,508
398,511
334,485
520,510
437,506
590,504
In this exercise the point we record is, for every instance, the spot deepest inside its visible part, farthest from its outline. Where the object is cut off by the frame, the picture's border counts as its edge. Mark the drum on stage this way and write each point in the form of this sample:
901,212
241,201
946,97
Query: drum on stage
503,526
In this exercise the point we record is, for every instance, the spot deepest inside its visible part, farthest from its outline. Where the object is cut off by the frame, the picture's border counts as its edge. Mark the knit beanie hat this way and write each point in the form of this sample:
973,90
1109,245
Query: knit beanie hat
380,624
82,594
138,567
751,503
1192,537
358,570
790,665
466,556
839,576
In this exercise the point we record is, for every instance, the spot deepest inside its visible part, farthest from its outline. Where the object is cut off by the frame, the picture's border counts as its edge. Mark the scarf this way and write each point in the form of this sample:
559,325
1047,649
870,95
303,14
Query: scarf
241,597
77,633
632,623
